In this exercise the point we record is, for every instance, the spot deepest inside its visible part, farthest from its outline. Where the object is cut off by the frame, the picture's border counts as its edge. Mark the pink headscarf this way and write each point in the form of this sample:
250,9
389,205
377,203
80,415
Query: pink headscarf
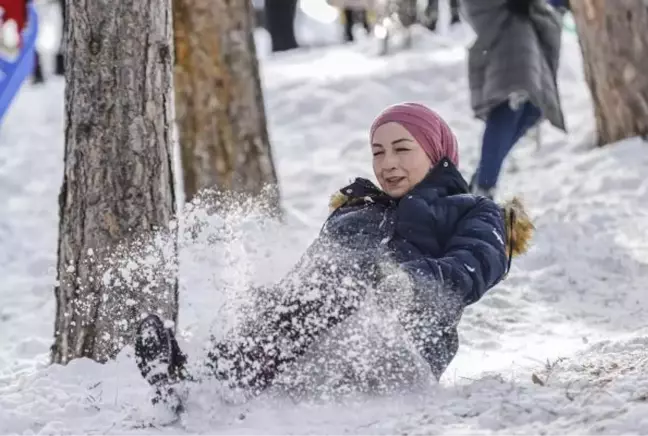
426,126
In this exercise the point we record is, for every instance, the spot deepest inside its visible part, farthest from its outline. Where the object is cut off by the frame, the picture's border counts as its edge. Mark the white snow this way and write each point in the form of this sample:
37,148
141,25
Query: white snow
557,348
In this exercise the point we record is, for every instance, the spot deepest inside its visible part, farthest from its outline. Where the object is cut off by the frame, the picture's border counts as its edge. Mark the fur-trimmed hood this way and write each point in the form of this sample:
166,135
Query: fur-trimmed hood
519,227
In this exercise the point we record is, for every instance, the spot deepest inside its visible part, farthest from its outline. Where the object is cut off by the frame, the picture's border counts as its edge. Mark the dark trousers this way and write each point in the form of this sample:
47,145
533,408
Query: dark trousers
504,128
279,21
433,9
59,67
253,357
351,17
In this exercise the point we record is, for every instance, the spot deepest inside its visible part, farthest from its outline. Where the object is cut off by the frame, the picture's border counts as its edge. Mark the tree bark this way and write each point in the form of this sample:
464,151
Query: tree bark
614,43
219,101
117,187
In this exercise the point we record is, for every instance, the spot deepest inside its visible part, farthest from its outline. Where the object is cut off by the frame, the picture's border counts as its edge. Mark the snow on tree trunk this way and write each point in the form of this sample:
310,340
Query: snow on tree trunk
219,102
614,43
117,195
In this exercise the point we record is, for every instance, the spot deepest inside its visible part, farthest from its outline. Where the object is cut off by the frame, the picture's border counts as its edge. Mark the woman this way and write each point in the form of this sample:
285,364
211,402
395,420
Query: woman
445,246
512,69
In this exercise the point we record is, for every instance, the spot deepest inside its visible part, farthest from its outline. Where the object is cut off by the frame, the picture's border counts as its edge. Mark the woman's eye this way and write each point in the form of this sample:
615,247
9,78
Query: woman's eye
378,153
399,150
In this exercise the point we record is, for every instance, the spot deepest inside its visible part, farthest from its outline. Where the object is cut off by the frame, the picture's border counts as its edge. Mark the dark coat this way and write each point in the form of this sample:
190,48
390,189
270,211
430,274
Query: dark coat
438,231
514,54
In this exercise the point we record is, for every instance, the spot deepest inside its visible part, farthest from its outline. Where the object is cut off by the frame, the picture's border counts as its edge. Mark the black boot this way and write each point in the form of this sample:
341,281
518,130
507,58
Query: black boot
160,360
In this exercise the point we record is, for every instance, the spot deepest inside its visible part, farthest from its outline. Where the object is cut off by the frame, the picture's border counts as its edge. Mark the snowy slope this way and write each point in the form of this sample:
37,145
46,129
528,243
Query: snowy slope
572,312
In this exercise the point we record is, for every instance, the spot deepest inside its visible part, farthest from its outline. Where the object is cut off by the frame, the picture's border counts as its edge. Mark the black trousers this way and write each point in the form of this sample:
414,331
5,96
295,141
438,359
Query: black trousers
433,8
351,17
253,357
279,21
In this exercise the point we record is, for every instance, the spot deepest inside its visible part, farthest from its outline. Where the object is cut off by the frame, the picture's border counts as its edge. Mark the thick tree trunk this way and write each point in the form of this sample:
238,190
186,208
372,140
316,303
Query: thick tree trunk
117,185
614,42
219,102
280,22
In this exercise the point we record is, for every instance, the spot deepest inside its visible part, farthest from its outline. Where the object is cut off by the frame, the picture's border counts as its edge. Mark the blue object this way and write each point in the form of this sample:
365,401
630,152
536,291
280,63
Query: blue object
558,3
504,128
13,72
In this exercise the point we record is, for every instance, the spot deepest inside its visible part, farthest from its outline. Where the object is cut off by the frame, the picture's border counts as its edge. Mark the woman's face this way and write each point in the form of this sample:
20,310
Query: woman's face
399,161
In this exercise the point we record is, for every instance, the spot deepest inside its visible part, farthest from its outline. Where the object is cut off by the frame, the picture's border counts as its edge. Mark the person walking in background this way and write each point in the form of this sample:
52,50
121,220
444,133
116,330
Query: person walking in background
279,20
512,69
352,12
59,64
37,74
432,13
350,17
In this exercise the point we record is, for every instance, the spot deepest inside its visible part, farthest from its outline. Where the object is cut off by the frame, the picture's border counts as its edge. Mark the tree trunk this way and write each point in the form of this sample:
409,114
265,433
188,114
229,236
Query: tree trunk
614,43
219,102
280,22
117,187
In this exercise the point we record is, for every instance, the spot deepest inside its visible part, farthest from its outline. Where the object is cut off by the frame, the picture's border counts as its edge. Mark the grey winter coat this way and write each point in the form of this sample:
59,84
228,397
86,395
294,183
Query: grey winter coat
514,55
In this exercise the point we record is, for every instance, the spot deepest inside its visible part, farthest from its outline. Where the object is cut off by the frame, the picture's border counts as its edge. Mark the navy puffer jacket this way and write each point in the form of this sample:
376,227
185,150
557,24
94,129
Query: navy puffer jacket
437,231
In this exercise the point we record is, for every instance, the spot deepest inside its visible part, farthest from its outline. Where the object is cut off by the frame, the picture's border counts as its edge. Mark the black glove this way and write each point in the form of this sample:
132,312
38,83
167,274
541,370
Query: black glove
519,7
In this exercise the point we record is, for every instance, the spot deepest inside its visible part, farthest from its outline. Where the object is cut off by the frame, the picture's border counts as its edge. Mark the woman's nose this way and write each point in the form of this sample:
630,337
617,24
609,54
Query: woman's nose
390,161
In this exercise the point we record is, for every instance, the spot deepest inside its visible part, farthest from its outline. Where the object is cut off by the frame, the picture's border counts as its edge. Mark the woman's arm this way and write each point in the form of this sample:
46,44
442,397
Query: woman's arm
475,256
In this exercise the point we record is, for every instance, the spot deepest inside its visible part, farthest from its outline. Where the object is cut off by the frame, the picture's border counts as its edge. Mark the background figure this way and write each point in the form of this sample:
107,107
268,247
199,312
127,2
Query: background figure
280,20
560,4
353,11
350,17
512,70
59,64
59,68
432,13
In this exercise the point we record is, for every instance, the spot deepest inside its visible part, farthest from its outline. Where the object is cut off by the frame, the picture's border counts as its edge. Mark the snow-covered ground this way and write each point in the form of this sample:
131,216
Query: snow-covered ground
559,347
